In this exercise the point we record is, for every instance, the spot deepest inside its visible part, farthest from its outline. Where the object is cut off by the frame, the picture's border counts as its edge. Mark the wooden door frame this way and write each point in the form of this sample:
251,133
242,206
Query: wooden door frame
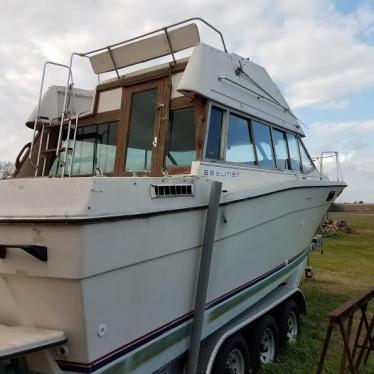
163,98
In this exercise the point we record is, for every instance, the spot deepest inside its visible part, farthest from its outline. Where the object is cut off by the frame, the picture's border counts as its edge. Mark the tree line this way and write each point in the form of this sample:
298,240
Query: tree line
7,169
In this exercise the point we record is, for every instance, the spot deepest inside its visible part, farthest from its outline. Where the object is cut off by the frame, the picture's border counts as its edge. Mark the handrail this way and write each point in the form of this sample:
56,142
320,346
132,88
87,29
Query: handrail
86,54
326,155
40,99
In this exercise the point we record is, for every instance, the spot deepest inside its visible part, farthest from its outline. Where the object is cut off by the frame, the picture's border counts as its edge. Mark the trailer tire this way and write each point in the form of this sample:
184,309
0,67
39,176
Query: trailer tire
265,341
289,323
232,357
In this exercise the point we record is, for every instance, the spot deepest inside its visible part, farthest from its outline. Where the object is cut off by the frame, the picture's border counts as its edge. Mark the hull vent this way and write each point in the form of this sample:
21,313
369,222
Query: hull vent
172,190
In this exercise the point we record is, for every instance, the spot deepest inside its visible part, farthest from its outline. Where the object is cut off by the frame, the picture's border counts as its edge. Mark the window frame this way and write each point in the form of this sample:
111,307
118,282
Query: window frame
284,133
271,143
92,121
300,171
199,106
177,169
124,129
206,133
224,131
301,143
251,136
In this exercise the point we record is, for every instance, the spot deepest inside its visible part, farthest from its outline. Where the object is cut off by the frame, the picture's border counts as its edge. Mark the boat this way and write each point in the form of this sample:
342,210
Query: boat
102,224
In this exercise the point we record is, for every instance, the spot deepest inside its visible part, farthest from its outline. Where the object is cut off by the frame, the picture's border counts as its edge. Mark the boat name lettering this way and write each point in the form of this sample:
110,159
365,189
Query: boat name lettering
218,173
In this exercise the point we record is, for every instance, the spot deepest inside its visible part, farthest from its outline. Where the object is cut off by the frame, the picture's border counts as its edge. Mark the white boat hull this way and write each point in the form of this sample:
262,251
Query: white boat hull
122,287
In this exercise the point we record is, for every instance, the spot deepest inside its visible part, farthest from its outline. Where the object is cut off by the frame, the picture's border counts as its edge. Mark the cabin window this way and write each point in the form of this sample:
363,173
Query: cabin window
141,130
95,147
306,162
294,152
214,134
280,148
264,147
239,146
181,150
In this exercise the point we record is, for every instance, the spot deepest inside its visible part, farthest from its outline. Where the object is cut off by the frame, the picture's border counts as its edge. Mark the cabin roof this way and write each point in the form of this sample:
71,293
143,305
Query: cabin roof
238,83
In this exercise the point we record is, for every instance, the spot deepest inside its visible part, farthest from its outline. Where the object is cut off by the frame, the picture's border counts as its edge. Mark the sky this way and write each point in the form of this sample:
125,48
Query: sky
320,53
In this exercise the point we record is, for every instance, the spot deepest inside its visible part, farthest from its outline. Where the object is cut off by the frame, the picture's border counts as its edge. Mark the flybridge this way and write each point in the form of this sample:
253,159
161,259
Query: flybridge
156,121
152,45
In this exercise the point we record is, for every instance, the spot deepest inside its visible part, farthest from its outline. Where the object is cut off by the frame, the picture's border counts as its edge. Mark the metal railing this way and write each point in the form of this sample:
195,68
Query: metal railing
37,118
326,155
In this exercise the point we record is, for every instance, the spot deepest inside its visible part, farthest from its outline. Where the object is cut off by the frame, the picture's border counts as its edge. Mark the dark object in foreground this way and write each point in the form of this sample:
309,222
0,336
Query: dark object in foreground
338,317
38,251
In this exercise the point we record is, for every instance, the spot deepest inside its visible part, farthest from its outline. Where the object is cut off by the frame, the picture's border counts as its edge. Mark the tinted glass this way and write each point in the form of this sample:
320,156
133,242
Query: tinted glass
95,147
106,147
264,147
239,146
214,134
182,138
305,159
294,152
280,148
142,118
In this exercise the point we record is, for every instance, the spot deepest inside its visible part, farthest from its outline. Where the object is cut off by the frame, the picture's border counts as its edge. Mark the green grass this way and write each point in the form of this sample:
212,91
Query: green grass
345,270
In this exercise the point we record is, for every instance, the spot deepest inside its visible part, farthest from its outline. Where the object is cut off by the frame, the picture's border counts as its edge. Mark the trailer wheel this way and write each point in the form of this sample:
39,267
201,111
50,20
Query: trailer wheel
232,357
265,341
289,323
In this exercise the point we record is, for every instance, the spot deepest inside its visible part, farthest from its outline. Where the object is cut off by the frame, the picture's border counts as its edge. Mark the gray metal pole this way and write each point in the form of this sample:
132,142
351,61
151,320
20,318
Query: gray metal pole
203,279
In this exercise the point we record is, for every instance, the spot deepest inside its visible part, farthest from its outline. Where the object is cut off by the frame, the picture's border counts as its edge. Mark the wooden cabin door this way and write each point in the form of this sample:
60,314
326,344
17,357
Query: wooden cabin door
141,140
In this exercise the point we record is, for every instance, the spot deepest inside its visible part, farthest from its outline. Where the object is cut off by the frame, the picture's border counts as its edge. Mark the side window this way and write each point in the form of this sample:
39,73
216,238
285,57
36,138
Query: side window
239,146
306,162
280,148
95,147
294,152
181,150
214,134
264,147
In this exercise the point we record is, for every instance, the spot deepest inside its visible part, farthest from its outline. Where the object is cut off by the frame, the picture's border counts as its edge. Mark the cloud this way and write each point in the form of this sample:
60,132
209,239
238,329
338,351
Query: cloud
361,128
355,142
317,52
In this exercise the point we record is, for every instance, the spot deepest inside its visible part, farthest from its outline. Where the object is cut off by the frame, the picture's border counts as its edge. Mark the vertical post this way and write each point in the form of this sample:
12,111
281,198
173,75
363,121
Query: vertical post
347,349
325,346
355,345
371,348
64,105
38,110
203,279
344,356
367,339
